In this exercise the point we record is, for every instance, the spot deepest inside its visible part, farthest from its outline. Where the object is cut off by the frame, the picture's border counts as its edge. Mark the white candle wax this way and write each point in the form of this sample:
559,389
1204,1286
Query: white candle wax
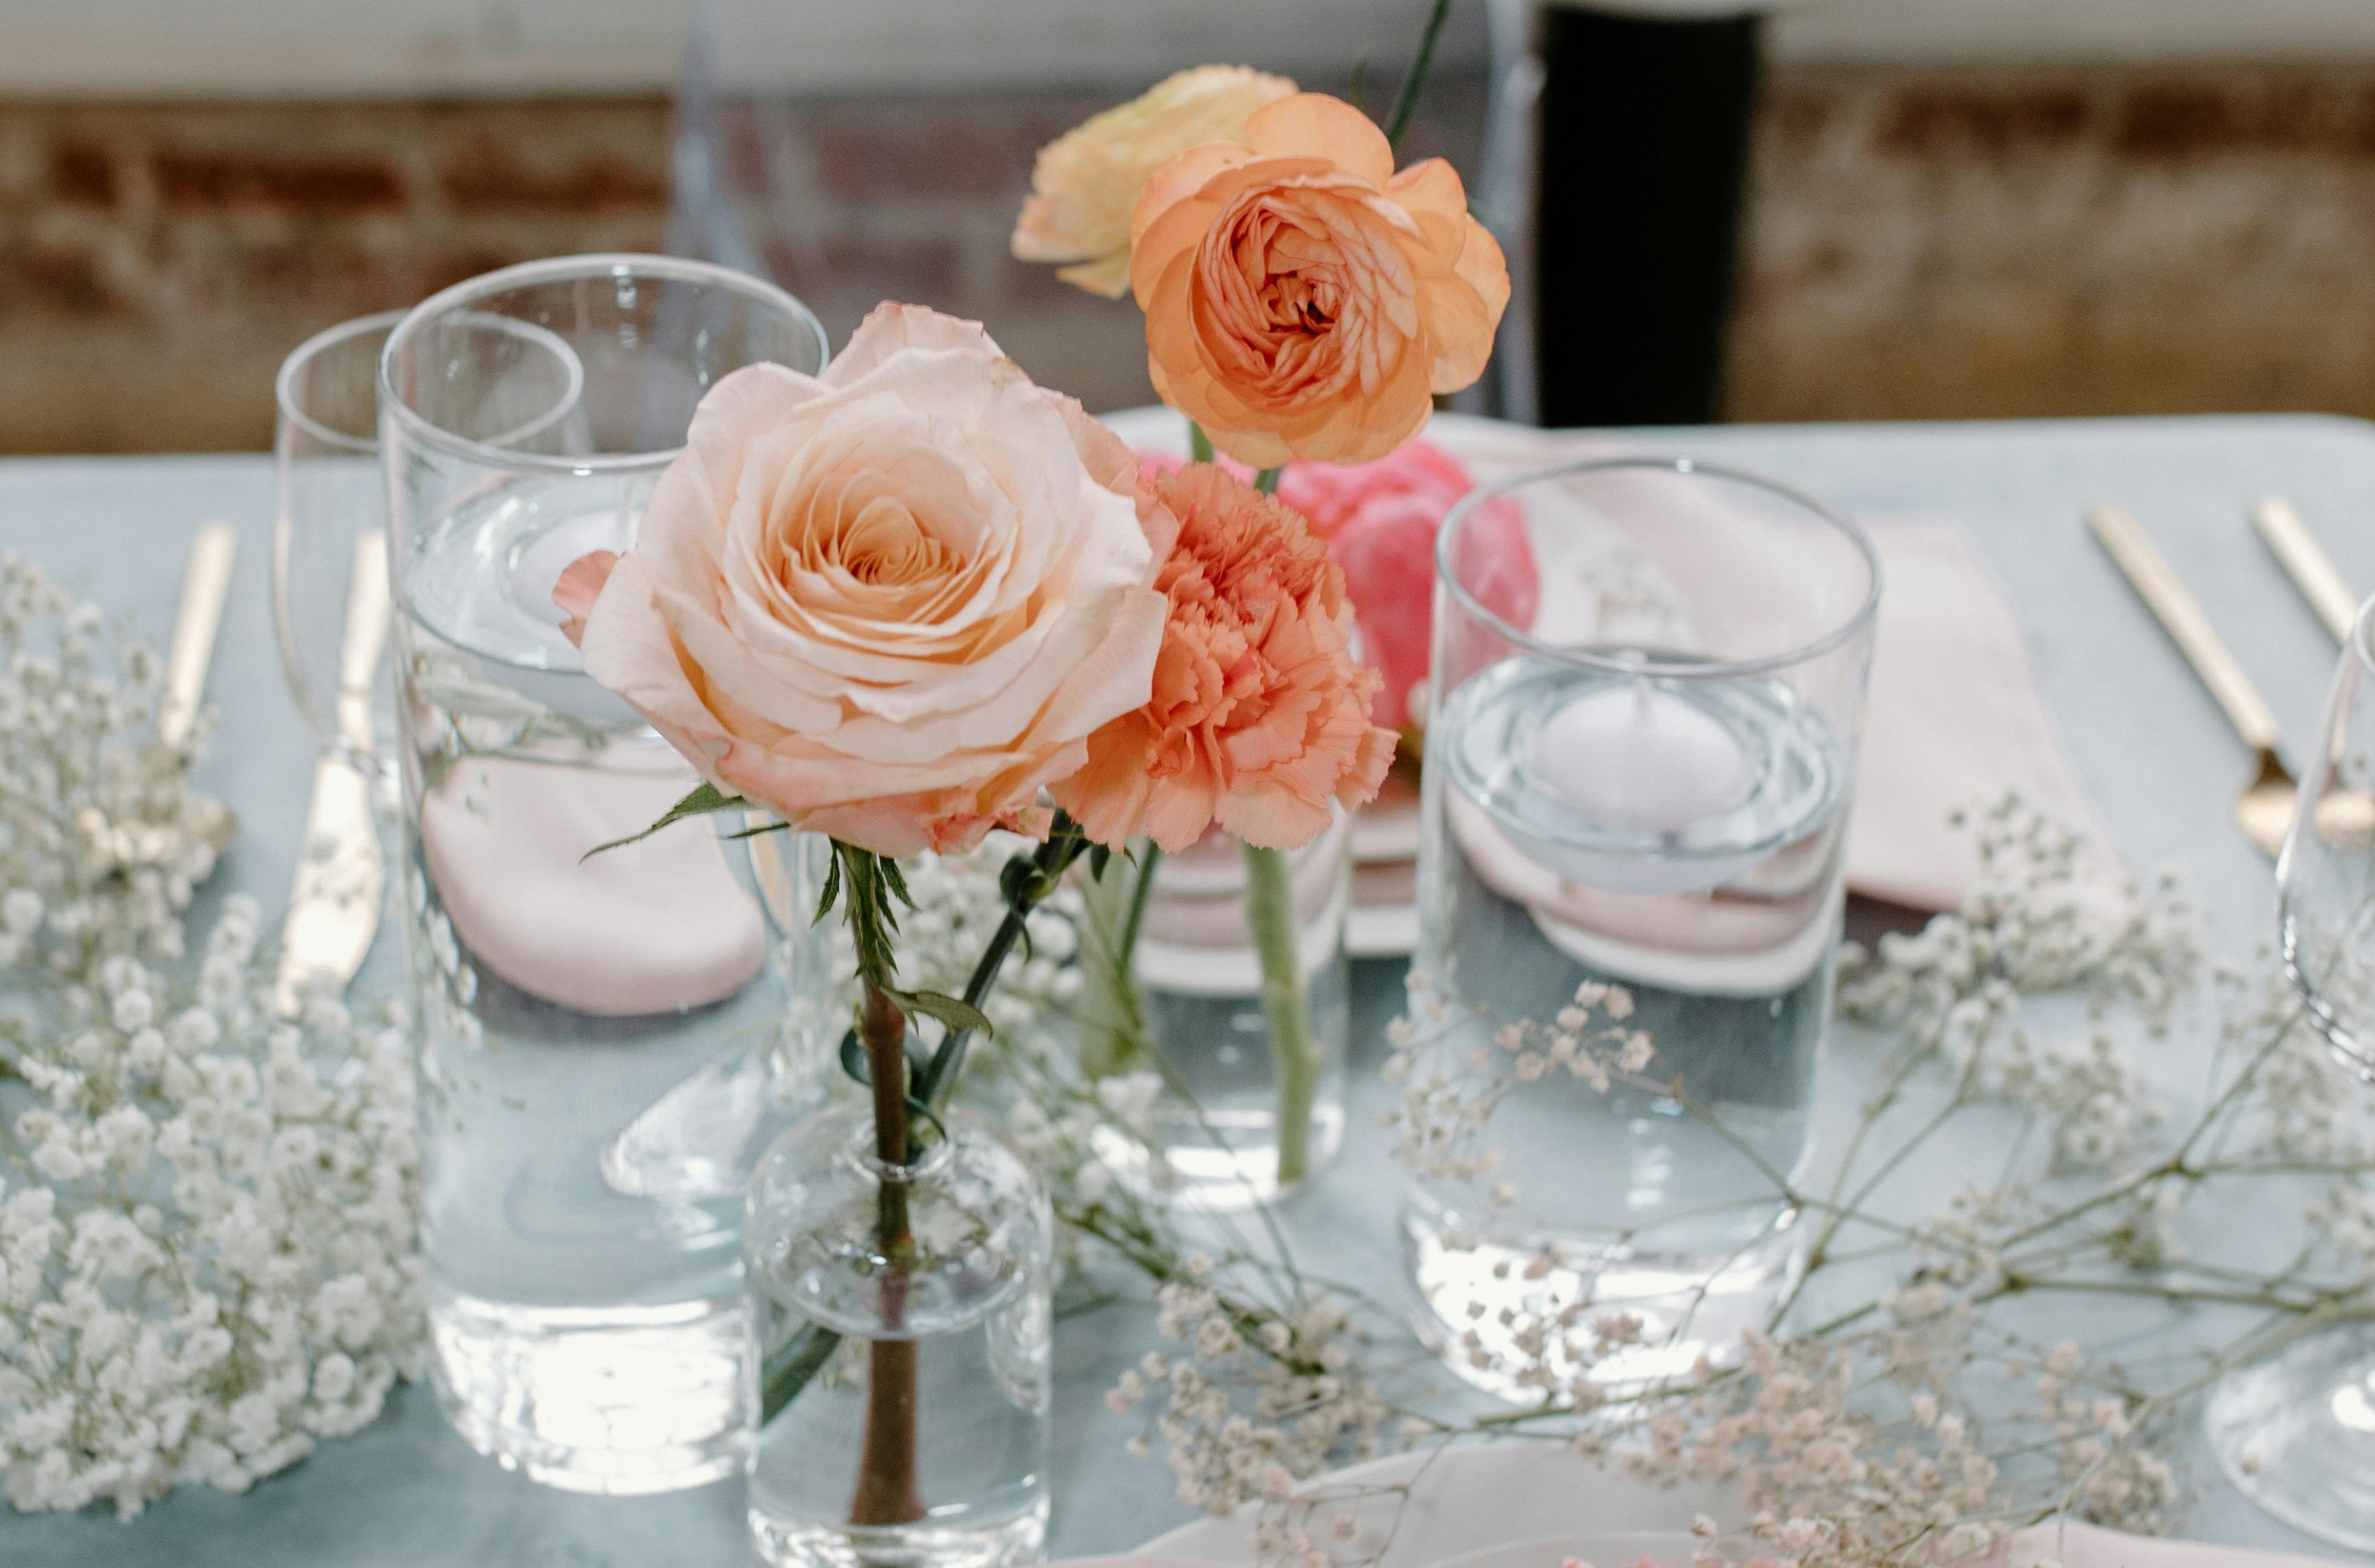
1633,757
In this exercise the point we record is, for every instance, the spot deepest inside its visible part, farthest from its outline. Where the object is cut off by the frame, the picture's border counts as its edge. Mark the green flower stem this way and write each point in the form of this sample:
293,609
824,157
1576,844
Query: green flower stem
792,1367
1116,1012
1406,101
795,1364
1269,909
1199,446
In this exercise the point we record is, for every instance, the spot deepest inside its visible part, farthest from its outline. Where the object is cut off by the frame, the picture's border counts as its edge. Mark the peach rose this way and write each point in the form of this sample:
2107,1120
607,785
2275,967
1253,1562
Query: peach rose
888,602
1260,718
1085,183
1302,299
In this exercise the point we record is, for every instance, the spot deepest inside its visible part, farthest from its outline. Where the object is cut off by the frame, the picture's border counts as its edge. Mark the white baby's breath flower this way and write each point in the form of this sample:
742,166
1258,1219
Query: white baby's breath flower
203,1269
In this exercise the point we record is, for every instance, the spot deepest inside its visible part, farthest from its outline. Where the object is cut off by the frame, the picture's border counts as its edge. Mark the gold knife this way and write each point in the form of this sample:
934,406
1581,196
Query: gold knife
204,582
334,900
2305,561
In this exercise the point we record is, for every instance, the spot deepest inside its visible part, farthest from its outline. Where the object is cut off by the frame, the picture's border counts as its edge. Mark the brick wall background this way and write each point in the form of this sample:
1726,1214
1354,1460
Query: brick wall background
156,262
1922,242
2051,241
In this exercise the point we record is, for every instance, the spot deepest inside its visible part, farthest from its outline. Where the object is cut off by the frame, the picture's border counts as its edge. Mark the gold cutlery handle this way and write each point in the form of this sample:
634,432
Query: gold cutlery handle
2305,561
2180,616
204,582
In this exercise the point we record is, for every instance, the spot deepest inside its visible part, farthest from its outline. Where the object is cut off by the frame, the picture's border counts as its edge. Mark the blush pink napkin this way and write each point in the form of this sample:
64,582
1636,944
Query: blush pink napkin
1953,721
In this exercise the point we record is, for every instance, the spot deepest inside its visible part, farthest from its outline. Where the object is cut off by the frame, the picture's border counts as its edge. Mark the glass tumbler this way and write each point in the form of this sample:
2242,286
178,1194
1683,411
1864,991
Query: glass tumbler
2295,1431
1640,749
604,1037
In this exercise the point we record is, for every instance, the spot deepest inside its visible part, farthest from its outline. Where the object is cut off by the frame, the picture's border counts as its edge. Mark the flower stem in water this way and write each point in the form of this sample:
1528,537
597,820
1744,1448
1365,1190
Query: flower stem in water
888,1492
1269,909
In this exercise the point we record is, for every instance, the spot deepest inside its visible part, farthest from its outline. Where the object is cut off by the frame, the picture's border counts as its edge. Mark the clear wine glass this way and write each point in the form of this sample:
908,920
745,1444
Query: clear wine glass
2296,1430
329,532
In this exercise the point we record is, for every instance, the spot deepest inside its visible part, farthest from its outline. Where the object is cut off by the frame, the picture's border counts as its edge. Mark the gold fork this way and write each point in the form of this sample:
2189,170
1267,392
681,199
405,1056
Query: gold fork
2344,816
2263,808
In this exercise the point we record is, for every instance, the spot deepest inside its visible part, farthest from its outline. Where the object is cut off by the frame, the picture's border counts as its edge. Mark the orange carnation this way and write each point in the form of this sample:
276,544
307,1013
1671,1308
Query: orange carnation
1302,299
1260,719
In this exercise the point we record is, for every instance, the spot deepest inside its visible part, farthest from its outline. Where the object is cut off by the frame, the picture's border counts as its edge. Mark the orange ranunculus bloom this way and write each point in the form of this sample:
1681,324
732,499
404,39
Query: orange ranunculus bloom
1259,717
1302,299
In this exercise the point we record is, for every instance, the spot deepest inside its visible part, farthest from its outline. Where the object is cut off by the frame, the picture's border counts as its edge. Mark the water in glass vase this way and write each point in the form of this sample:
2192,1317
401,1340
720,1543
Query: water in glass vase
1246,1114
961,1316
586,1302
1714,900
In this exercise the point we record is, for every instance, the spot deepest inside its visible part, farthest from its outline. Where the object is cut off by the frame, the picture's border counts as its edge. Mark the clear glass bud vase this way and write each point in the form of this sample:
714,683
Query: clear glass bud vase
899,1358
1239,992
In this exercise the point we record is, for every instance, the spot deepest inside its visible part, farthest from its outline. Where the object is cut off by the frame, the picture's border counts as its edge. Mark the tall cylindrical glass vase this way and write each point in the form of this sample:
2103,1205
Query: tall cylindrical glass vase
605,1036
1630,885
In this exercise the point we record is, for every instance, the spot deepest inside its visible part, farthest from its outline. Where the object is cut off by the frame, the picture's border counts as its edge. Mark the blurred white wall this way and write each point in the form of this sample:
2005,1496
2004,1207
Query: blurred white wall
327,48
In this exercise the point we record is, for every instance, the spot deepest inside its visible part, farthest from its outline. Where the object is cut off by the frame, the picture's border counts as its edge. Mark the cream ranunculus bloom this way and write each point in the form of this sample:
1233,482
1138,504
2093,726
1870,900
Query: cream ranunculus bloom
1086,182
889,602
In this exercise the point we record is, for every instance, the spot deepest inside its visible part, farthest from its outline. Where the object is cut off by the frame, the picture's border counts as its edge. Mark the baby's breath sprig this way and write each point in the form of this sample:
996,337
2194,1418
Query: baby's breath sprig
206,1212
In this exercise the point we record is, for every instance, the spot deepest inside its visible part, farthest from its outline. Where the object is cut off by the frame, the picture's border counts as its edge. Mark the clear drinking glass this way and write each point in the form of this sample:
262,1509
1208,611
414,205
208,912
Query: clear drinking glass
602,1037
963,1318
1248,1114
1640,749
2296,1432
329,540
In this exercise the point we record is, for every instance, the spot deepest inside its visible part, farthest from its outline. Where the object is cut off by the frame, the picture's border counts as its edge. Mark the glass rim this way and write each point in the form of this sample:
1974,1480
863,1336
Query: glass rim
1831,640
458,297
284,380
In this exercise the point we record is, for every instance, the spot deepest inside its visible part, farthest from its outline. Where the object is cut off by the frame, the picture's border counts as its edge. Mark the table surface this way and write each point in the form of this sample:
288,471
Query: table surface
2144,739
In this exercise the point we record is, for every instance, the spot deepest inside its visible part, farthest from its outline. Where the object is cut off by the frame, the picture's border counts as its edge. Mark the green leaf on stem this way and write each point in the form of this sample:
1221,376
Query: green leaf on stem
704,798
951,1012
918,1108
832,891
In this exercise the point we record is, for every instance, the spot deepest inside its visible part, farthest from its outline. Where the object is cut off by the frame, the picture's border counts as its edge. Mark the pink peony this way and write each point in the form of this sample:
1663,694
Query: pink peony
1260,716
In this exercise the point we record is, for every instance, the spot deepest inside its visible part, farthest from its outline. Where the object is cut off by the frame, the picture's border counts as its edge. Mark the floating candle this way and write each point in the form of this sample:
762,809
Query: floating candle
1633,756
